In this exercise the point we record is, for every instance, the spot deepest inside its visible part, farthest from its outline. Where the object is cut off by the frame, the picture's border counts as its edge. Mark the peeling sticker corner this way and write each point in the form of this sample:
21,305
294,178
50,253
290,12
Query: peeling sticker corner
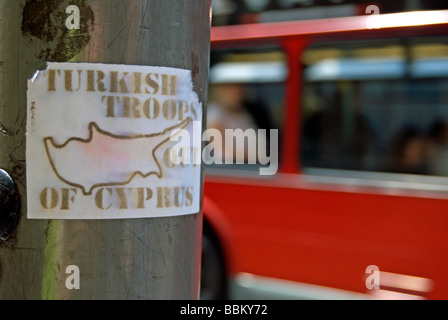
35,75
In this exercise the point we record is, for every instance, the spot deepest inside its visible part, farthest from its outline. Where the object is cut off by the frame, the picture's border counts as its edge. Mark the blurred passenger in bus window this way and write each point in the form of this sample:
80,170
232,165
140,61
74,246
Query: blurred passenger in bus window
409,152
227,110
439,138
338,136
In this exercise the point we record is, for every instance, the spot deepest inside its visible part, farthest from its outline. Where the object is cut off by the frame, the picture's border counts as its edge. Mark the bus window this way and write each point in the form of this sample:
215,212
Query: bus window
377,106
245,92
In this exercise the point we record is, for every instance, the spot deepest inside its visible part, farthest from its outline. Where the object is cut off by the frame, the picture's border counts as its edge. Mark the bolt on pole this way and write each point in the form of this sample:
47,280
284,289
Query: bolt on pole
109,78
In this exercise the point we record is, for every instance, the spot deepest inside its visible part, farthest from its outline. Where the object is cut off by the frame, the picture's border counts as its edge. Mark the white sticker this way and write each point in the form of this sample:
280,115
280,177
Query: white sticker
112,142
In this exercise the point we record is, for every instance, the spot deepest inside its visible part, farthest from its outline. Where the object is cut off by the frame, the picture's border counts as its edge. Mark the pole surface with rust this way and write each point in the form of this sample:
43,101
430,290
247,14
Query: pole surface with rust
153,258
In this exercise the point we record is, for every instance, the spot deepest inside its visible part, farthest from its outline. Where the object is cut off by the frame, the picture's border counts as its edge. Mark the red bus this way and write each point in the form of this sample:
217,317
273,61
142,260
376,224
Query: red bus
359,205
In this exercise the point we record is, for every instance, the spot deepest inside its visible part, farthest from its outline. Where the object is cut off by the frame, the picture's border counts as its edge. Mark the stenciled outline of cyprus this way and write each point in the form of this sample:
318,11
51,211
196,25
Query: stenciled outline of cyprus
51,148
